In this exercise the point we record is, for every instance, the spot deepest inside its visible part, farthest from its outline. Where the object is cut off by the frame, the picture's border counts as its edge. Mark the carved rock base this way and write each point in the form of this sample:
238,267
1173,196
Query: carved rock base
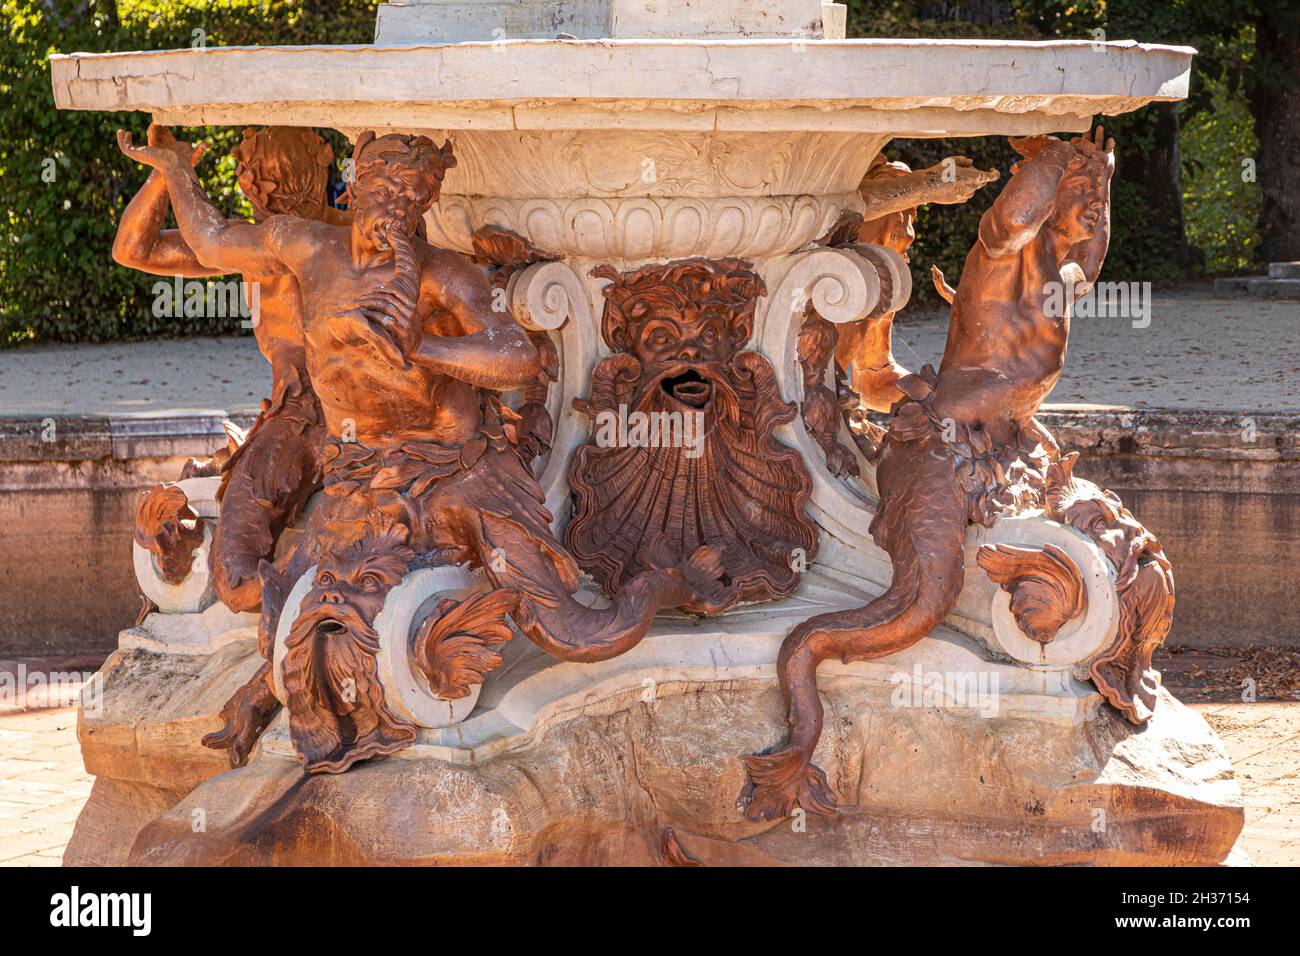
637,761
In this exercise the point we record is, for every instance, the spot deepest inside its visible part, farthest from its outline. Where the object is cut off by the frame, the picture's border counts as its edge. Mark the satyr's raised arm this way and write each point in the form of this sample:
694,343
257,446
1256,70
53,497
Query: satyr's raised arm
141,242
1029,199
217,242
493,351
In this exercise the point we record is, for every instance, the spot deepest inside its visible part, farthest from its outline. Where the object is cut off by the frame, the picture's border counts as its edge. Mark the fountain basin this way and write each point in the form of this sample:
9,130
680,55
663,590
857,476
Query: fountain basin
627,150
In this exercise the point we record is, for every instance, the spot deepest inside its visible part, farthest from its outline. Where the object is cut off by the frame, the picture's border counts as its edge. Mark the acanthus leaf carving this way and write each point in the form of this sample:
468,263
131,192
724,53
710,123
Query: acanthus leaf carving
456,646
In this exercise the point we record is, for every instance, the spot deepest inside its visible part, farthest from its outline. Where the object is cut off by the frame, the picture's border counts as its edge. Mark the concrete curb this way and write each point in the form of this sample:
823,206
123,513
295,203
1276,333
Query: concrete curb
1259,436
120,437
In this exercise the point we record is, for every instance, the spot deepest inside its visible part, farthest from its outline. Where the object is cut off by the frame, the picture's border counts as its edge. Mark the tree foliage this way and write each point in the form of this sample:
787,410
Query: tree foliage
1219,209
64,183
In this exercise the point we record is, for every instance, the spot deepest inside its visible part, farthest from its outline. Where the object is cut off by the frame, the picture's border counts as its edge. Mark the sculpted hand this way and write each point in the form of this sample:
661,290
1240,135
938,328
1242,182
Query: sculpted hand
955,180
1030,147
379,331
163,148
161,137
1094,147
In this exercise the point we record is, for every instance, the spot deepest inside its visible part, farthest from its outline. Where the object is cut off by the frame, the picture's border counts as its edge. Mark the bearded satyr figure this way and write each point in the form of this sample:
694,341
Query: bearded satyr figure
683,453
423,465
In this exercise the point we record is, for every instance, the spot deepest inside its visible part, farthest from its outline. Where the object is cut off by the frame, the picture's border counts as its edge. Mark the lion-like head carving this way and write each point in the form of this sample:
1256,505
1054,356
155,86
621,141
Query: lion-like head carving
683,322
683,453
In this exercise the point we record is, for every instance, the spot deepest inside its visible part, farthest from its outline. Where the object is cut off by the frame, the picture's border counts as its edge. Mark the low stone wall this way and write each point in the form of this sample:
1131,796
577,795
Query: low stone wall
68,489
1220,490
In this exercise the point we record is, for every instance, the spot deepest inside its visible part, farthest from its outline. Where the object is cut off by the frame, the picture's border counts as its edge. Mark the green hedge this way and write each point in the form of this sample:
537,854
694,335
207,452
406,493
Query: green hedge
58,281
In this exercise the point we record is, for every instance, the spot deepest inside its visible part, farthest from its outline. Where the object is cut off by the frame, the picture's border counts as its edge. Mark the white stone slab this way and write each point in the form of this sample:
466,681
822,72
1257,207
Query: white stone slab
532,691
971,87
411,21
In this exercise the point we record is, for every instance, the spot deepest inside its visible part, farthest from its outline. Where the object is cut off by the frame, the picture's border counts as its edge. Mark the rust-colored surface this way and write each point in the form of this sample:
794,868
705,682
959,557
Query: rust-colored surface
282,171
169,529
1144,581
864,350
707,469
456,646
1045,585
820,408
337,711
963,446
391,360
421,463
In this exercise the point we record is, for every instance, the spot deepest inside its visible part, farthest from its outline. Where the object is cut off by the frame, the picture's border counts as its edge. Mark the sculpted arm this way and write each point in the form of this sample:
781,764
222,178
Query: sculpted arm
141,242
493,351
1028,199
218,243
950,182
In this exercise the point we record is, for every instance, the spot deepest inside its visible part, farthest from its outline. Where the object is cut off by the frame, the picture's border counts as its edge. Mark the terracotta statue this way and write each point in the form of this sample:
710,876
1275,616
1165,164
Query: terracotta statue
864,349
682,451
962,444
337,710
406,354
275,469
1144,580
169,529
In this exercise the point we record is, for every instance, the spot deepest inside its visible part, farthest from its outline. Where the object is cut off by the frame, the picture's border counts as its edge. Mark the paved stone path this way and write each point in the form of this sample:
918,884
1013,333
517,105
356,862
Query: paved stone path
1198,351
43,783
1263,743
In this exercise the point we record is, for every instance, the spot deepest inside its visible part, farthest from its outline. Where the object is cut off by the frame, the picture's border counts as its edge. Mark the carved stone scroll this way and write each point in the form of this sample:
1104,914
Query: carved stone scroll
169,529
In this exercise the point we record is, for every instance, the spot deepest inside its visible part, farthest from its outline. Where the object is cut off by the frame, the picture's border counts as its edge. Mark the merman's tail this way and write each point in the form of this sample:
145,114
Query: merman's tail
921,523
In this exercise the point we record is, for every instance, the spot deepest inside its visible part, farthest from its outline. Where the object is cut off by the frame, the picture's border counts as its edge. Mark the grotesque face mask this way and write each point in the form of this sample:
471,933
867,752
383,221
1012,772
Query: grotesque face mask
683,453
337,711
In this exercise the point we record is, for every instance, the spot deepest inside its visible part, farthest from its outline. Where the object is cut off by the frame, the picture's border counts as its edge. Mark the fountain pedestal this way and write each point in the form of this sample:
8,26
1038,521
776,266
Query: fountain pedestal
739,133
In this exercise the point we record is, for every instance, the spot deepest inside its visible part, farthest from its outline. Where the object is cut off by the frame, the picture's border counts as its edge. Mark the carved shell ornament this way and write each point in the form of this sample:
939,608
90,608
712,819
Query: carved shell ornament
646,497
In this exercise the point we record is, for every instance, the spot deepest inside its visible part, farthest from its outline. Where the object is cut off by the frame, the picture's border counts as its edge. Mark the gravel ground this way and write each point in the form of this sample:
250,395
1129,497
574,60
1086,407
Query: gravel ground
1198,352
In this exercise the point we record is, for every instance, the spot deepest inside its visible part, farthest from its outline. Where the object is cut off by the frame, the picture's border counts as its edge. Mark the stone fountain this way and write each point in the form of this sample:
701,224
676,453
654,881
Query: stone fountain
722,156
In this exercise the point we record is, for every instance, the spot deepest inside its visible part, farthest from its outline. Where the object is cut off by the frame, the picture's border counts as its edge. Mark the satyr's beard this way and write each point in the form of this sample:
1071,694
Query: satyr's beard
337,711
406,282
404,286
741,491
